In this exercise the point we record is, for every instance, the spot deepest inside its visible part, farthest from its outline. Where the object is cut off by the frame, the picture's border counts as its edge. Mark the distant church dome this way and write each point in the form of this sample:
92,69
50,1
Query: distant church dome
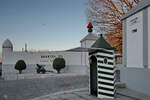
7,44
90,36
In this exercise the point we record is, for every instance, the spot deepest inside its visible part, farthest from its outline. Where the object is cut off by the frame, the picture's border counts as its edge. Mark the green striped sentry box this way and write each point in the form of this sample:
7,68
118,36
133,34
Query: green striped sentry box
104,86
105,74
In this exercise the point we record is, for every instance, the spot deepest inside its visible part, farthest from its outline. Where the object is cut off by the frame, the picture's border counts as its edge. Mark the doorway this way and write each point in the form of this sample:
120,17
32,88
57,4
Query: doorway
93,75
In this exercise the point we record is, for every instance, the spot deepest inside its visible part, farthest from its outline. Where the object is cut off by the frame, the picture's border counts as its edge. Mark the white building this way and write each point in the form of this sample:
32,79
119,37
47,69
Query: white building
76,59
136,48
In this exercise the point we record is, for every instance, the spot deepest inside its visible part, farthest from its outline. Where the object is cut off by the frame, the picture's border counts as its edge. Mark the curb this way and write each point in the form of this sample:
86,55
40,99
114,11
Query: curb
128,96
59,93
40,76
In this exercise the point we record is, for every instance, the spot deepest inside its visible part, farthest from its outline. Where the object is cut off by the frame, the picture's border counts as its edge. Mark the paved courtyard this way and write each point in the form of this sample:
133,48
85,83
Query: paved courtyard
83,94
58,87
30,88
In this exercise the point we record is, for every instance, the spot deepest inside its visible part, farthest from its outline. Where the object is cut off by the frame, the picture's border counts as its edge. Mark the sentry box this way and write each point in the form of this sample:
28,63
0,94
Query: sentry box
102,69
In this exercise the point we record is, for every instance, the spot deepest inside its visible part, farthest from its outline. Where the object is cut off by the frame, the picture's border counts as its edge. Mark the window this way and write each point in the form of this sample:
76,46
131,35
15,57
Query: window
134,30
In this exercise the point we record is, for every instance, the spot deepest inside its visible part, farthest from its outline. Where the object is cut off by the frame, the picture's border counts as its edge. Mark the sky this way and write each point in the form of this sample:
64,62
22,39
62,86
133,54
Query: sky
43,24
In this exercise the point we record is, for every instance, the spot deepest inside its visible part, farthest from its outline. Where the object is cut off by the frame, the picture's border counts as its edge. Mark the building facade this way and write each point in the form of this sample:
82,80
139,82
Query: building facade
76,59
136,48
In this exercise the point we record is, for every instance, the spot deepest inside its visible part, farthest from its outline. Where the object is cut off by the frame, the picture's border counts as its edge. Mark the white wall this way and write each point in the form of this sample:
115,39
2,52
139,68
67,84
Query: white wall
136,79
87,43
135,40
76,62
135,76
72,58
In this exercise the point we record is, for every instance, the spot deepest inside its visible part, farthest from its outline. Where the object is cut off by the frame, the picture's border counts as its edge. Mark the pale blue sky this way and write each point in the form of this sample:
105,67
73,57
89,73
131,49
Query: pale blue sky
43,24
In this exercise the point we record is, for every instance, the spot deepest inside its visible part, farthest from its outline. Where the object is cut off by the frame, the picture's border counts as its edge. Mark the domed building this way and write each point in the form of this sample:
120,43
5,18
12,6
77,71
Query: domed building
76,58
7,44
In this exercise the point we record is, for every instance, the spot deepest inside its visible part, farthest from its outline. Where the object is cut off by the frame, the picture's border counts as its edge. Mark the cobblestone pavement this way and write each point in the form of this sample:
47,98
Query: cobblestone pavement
31,88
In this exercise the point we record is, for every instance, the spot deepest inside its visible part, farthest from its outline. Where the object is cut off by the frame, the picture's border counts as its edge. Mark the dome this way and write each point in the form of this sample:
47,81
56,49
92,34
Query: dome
90,36
7,44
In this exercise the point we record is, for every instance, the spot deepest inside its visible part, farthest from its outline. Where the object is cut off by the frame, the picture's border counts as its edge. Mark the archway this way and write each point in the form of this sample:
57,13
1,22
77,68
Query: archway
93,75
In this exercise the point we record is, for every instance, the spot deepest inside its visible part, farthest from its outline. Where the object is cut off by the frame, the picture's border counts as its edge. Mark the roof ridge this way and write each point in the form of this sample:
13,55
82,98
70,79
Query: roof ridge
102,43
90,36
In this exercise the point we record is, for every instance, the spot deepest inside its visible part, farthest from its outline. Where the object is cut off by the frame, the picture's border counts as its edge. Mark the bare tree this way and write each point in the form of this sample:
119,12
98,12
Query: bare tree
105,16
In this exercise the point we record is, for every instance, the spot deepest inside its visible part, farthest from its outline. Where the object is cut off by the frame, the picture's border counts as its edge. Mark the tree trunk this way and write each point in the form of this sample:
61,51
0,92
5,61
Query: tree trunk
58,71
20,71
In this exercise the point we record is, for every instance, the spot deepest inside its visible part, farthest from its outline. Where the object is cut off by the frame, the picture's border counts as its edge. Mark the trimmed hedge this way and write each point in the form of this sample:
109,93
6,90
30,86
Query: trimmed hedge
58,64
20,65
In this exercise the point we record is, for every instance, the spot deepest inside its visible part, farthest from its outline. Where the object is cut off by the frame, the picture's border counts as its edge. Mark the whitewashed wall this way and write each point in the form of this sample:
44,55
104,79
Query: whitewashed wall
135,40
76,62
72,58
134,75
87,43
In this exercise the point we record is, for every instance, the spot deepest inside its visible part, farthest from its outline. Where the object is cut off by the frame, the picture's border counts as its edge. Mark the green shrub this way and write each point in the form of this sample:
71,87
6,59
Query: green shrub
20,65
58,64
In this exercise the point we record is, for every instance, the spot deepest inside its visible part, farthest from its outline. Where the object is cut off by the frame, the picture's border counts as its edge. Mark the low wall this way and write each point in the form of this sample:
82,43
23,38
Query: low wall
80,69
136,78
9,73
